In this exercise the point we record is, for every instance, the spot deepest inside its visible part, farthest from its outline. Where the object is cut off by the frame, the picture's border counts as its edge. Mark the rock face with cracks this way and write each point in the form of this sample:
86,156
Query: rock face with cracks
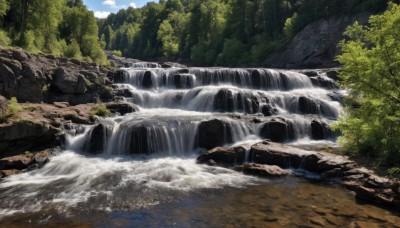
270,159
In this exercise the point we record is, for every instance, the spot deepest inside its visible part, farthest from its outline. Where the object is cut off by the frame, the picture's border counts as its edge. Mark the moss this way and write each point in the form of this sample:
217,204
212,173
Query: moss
100,110
13,109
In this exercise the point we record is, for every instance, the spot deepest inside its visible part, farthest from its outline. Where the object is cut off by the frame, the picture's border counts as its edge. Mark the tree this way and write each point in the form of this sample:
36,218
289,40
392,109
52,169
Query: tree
371,73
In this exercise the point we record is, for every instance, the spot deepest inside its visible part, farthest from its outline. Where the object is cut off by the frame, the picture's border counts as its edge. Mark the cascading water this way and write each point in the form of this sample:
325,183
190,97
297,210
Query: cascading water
125,162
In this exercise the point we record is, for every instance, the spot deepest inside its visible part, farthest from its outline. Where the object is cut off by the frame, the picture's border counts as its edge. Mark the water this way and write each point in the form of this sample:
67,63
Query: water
140,169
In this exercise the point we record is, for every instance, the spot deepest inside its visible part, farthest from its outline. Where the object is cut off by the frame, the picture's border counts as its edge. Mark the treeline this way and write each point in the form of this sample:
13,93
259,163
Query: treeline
217,32
59,27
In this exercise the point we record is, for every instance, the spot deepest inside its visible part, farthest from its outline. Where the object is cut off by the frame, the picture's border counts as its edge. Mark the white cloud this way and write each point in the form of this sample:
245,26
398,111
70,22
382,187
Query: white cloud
133,5
111,3
100,14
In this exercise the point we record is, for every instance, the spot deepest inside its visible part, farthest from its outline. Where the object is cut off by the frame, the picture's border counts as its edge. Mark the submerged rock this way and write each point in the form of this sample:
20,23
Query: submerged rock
262,170
226,156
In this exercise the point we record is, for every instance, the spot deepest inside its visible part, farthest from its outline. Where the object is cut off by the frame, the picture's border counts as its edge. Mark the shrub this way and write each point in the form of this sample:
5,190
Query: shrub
117,53
100,110
13,109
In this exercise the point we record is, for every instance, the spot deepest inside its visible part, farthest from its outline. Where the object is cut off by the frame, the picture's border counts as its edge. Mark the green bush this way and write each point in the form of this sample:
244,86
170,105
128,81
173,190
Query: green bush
13,109
100,110
117,53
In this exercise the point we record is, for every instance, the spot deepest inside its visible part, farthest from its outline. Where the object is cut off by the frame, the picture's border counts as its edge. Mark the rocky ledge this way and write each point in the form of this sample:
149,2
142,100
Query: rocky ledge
271,159
46,78
38,128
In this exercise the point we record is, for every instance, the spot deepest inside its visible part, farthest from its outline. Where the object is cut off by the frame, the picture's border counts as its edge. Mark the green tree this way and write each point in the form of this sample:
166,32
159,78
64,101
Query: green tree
371,73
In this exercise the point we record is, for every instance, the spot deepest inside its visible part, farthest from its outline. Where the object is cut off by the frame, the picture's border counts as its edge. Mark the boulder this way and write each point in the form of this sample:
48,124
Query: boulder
69,83
225,156
122,107
224,101
214,133
324,82
97,138
277,130
320,130
31,83
308,105
147,82
183,80
24,135
262,170
8,81
268,110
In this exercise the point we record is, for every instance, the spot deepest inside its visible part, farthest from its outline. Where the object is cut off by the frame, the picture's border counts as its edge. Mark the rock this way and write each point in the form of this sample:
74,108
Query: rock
69,83
147,82
285,156
20,55
310,73
224,101
214,133
330,174
18,162
184,80
61,104
24,135
3,105
277,130
316,45
262,170
8,81
324,82
320,130
333,74
122,107
96,141
307,105
6,173
30,85
226,156
268,110
15,65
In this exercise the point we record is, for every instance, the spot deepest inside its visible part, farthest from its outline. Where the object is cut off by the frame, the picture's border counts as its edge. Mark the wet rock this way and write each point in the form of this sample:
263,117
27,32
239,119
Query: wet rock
268,110
95,143
7,173
310,73
262,170
214,133
307,105
122,107
320,130
224,101
147,82
333,74
324,82
183,80
18,162
69,83
277,130
226,156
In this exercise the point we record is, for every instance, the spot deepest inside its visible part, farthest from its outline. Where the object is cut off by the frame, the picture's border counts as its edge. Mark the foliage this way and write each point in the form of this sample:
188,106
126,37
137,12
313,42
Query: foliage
13,109
217,32
371,73
58,27
100,110
117,53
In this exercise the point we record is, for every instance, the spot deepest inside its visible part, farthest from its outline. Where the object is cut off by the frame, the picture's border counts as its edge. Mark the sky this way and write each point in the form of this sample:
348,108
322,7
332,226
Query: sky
102,8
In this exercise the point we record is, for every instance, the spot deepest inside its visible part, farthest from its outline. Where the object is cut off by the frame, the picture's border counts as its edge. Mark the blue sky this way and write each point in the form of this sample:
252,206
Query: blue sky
102,8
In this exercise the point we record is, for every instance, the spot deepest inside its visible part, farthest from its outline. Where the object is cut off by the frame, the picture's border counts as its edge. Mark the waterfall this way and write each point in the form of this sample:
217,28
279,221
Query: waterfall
184,109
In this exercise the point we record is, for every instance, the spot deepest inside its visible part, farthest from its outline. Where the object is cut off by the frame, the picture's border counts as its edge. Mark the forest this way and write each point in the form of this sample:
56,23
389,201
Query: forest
199,32
58,27
218,32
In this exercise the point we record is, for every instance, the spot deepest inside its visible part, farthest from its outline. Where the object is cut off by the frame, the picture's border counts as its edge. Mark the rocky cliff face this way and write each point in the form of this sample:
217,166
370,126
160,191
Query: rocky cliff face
46,78
316,45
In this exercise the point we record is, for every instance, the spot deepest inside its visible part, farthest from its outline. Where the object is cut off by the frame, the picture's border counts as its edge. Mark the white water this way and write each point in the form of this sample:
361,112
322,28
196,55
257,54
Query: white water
165,128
